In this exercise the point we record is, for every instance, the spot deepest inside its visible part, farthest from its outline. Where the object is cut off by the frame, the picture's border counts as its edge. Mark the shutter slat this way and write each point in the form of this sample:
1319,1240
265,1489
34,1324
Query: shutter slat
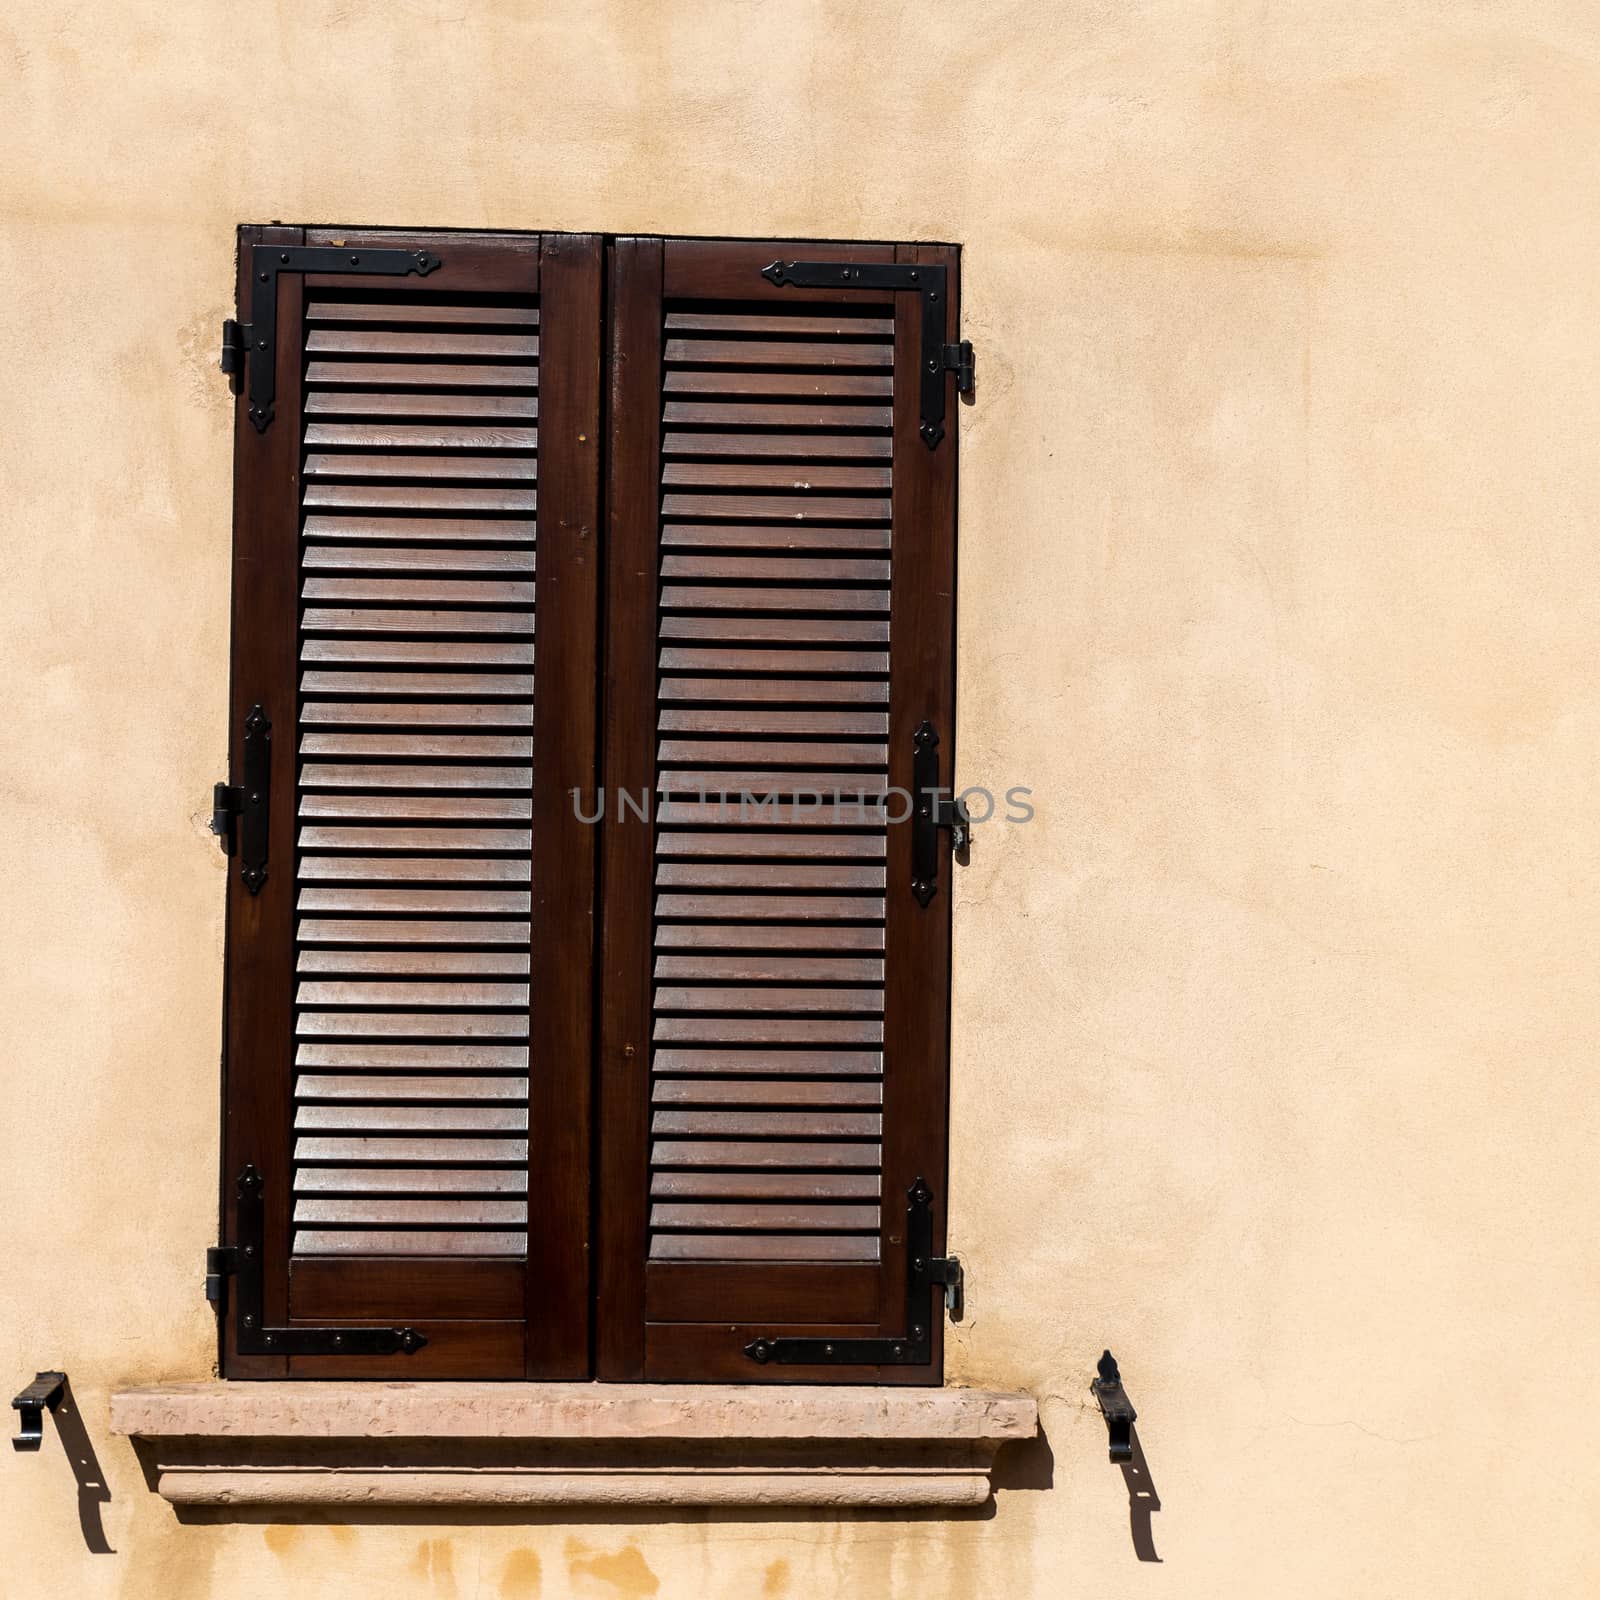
777,353
792,537
417,714
334,931
421,309
411,1119
799,479
768,936
322,776
763,1247
413,869
433,375
418,808
417,963
419,436
419,746
397,403
413,1057
417,558
769,969
410,1025
323,1242
412,994
401,342
785,569
376,1181
361,684
343,464
683,445
786,323
417,497
801,414
762,1030
745,597
415,1213
727,1001
323,1086
766,1092
784,385
760,1153
766,846
417,839
806,1063
764,1186
423,530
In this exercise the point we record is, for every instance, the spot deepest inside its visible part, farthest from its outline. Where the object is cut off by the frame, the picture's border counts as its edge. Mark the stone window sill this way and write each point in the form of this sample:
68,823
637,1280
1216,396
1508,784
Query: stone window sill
574,1444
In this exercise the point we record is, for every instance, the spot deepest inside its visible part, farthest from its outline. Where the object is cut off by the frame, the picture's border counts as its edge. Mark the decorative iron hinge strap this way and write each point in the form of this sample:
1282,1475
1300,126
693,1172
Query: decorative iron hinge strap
925,1272
245,1261
935,358
241,813
254,344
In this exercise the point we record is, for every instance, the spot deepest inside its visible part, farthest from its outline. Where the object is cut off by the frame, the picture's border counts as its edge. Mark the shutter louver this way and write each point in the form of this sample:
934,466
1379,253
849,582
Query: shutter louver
425,880
415,743
771,721
781,577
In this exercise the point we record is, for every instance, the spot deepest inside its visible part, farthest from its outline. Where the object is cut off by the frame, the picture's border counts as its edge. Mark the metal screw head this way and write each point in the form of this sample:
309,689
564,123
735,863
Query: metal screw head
933,366
267,1339
355,261
249,1322
265,276
337,1340
916,1333
827,1349
261,344
249,1249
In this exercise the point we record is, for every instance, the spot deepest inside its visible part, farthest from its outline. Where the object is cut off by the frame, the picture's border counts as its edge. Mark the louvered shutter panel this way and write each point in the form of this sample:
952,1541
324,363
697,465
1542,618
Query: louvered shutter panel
415,607
775,1000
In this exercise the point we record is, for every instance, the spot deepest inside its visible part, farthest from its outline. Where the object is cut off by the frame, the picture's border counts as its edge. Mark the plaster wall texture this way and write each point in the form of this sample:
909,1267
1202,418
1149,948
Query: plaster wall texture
1274,1031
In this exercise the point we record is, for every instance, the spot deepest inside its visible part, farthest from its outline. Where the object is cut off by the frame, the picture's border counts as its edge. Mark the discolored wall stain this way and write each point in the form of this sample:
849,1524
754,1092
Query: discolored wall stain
523,1576
435,1562
775,1580
624,1573
281,1538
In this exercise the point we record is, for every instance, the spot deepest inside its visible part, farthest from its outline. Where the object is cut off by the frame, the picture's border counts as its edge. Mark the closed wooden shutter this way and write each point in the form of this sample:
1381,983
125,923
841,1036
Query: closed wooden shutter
774,997
409,992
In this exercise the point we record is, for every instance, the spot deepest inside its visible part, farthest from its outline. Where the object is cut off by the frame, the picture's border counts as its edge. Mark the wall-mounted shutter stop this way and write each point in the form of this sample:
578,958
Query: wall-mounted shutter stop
245,1262
253,345
43,1394
925,1272
936,357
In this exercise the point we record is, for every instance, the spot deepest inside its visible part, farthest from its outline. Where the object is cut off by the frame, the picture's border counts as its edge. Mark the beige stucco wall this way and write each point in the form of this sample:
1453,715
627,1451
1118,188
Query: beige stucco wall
1274,1034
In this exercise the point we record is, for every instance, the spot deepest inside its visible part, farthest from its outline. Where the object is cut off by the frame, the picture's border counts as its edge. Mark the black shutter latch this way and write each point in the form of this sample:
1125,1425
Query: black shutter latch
932,809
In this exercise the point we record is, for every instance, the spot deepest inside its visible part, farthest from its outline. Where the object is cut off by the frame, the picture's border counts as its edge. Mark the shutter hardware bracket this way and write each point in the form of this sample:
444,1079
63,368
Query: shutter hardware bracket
1115,1407
932,810
936,358
43,1394
241,812
244,1261
924,1271
254,344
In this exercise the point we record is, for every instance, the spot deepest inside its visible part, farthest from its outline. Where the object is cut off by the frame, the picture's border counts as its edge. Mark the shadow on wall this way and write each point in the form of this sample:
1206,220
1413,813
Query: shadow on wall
1142,1500
85,1464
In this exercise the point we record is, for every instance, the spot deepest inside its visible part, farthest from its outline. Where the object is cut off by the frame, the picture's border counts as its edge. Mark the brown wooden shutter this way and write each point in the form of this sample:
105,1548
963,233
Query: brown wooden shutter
420,1130
774,997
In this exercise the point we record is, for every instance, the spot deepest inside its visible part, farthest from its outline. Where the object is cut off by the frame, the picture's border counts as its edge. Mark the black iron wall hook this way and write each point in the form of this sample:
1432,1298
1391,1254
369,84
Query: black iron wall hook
1116,1407
43,1394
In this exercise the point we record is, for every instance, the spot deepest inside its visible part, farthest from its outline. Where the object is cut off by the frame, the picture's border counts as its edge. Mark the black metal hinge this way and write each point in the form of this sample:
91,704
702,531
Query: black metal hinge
925,1272
935,358
241,813
43,1394
932,809
245,1261
254,344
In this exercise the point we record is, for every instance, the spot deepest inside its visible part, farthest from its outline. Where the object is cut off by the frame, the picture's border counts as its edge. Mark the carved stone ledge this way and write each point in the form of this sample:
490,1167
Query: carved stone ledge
493,1444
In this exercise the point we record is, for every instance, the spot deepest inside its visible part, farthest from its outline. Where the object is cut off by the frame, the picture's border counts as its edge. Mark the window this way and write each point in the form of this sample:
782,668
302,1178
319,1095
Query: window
588,960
